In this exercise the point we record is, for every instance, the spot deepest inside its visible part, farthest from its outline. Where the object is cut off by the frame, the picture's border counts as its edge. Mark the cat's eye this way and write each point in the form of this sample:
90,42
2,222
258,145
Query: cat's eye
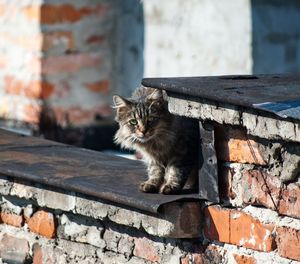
133,122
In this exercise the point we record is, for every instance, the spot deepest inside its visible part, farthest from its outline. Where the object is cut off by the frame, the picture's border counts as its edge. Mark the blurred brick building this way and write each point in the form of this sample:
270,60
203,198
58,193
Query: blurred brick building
66,58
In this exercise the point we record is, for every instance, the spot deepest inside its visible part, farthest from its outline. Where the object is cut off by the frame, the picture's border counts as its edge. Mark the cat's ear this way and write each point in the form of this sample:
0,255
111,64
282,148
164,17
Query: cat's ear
120,102
156,95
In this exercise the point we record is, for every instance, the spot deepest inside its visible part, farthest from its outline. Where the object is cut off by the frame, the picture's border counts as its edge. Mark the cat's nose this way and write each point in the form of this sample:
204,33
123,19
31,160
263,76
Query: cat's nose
139,134
142,129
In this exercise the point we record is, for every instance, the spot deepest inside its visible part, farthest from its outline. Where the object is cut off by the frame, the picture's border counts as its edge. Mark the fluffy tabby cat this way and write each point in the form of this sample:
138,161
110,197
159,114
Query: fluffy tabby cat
168,143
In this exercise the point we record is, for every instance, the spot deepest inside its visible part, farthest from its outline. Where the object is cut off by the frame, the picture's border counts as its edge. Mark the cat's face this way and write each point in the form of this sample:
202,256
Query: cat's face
141,119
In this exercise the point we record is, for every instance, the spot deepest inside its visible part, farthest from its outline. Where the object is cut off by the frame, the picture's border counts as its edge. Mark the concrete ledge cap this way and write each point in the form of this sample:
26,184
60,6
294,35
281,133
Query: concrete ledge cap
175,220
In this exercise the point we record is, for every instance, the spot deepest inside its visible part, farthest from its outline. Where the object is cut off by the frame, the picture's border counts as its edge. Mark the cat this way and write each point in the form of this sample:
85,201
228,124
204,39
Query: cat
168,143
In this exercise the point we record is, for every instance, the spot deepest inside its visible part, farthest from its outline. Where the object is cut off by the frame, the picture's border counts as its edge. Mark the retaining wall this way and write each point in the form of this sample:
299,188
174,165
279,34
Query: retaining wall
256,221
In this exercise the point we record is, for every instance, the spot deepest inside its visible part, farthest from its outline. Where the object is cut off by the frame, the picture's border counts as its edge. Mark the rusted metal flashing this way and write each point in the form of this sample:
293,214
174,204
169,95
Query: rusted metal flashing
208,166
277,94
274,96
111,178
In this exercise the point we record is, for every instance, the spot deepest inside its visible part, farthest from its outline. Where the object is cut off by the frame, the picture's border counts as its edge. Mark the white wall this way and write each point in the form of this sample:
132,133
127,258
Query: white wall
197,37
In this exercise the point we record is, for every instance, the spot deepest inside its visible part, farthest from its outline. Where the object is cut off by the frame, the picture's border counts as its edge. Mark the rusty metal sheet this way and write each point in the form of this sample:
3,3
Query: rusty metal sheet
264,92
84,171
284,109
208,171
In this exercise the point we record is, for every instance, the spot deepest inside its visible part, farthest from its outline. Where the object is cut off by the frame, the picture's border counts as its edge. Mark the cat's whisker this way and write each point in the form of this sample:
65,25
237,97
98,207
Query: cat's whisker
134,139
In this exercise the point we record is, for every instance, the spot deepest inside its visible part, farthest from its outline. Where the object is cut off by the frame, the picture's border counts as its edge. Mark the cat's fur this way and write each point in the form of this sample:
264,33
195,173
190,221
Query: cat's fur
168,143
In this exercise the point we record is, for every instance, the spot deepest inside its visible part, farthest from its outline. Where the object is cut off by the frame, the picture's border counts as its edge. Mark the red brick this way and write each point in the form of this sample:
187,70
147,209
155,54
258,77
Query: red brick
34,89
101,86
53,39
234,145
37,254
192,258
12,219
31,113
145,249
95,39
289,203
260,188
236,227
288,242
12,86
77,115
43,223
264,189
243,259
66,13
250,232
217,223
70,63
60,89
47,90
45,255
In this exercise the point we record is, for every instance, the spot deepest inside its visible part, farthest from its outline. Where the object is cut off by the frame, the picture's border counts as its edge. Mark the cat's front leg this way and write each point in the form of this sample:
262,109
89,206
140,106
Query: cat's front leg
175,178
155,178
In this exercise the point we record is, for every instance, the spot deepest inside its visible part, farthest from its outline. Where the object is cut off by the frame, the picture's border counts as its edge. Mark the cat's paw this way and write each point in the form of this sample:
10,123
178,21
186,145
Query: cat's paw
149,187
169,189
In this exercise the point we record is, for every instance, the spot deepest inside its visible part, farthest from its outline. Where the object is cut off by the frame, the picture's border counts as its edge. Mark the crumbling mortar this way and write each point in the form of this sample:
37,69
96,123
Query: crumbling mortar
282,158
260,122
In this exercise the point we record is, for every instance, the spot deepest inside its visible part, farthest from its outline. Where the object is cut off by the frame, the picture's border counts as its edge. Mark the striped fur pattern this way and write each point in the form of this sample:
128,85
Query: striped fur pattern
168,143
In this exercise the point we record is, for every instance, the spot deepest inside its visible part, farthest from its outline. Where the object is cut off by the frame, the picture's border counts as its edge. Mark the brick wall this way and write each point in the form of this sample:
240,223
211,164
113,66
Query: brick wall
258,158
256,221
20,81
64,56
259,190
44,225
73,55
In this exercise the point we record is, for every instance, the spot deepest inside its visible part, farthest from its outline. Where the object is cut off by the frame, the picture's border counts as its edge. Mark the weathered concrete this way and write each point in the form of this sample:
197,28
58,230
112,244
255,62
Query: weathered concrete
84,240
236,187
291,167
256,124
170,222
101,239
13,250
82,230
